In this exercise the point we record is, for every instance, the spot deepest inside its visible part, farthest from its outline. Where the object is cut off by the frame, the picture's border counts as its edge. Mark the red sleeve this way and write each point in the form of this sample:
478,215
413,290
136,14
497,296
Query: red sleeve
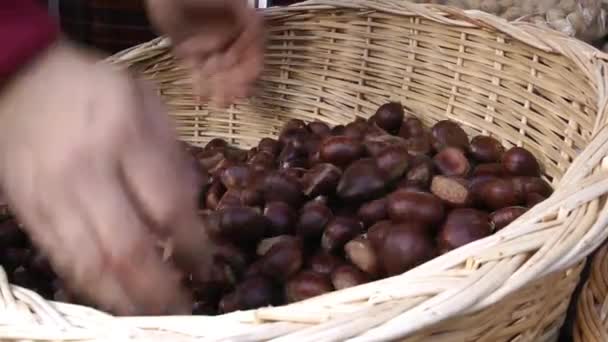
26,29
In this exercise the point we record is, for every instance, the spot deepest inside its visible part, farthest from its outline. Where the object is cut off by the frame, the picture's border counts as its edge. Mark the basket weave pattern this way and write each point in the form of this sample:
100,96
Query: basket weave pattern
591,324
334,60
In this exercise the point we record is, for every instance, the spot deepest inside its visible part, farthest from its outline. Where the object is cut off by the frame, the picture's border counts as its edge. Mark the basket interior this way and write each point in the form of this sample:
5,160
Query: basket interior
336,64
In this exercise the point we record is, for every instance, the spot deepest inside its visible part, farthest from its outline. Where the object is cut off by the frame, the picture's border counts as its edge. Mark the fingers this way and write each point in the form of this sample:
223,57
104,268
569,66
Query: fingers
127,248
165,184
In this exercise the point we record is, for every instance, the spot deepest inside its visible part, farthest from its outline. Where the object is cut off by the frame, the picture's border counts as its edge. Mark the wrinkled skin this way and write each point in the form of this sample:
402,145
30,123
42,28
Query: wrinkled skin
90,164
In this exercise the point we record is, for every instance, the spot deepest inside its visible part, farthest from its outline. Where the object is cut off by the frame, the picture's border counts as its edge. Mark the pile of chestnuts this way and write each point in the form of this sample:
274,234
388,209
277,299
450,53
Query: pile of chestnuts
322,209
326,208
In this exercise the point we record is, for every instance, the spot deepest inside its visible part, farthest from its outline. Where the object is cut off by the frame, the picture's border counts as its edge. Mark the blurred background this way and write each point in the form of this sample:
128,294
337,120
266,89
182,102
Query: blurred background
113,25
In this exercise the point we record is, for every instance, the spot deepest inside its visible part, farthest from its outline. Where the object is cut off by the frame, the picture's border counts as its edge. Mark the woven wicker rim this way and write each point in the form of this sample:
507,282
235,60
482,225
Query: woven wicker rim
553,236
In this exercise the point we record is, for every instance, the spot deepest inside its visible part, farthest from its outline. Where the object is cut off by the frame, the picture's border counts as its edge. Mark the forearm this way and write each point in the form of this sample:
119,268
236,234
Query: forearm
25,31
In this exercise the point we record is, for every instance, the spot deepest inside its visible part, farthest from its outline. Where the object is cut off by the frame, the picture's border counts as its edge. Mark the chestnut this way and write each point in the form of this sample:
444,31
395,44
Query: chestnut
533,199
377,232
486,149
252,195
448,133
216,144
262,160
256,292
372,212
320,129
293,157
270,146
527,185
393,161
266,244
503,217
498,193
229,255
453,191
389,117
214,194
294,136
242,224
254,269
375,143
324,263
412,186
338,130
426,208
339,231
451,161
237,176
340,150
520,162
405,248
421,171
231,198
202,308
211,160
419,145
235,155
322,179
491,169
281,188
282,218
411,127
362,253
356,129
312,221
305,285
347,276
463,226
361,181
283,259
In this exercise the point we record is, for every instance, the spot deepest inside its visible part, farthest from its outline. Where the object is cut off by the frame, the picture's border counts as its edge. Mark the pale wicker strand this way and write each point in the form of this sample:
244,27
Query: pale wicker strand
514,267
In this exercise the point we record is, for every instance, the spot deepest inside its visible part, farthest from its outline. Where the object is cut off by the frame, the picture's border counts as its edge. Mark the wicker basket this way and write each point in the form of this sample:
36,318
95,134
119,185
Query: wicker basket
591,324
334,60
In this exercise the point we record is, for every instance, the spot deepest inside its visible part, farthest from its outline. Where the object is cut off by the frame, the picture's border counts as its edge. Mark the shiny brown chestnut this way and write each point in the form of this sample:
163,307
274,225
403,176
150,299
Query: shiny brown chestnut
361,181
266,244
503,217
489,169
281,188
347,276
528,185
448,133
314,216
533,199
256,292
518,161
339,231
421,171
373,211
270,146
229,303
498,193
322,179
320,129
242,224
389,117
453,191
340,150
216,144
282,218
362,253
405,248
485,149
307,284
463,226
324,263
411,127
393,161
419,145
231,198
451,161
426,208
377,232
283,259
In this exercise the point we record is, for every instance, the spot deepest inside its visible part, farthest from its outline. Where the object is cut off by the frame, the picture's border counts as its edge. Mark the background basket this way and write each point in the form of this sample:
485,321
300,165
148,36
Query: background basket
591,324
334,60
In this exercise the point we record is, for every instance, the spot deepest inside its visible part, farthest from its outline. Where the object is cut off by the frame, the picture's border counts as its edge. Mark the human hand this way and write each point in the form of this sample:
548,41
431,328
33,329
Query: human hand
90,165
222,41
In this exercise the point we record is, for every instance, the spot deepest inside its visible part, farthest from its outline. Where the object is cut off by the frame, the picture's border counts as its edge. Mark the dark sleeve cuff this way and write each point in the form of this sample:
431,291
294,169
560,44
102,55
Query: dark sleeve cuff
26,30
